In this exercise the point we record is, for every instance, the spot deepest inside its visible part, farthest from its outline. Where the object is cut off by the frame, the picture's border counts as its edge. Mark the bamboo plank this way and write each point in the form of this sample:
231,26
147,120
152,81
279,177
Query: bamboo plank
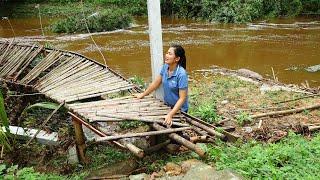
28,61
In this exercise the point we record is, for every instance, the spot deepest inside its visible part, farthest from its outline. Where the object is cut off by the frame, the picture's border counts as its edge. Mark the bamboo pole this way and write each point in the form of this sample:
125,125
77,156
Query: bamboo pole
122,118
151,133
182,141
80,141
206,128
284,112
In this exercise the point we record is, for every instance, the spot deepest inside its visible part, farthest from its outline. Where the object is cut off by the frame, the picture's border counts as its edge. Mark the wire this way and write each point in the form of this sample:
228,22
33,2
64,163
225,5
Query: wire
85,22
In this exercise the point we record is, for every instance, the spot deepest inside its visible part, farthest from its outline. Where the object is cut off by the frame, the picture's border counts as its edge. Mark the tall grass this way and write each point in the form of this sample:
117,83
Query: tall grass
4,124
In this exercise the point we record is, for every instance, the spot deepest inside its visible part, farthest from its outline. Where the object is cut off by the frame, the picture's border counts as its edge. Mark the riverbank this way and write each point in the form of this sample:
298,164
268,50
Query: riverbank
282,143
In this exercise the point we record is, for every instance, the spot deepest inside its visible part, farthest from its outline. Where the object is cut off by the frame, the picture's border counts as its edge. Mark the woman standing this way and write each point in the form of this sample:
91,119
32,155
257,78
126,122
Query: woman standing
174,79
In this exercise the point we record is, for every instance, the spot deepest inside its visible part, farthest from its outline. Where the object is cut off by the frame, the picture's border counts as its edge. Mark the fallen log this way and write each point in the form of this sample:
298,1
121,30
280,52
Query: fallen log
284,112
165,131
182,141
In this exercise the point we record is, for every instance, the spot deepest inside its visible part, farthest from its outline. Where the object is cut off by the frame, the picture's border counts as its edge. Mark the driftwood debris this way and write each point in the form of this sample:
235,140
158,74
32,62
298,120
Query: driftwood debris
285,112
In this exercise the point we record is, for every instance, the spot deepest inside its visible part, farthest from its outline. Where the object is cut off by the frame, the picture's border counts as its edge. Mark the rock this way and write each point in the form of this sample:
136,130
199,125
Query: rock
200,171
249,73
203,171
172,169
227,174
186,165
247,129
142,176
121,168
72,155
224,102
314,68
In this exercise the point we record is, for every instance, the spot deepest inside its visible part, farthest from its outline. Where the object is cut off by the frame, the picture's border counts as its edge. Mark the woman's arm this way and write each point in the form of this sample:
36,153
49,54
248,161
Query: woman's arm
153,86
182,98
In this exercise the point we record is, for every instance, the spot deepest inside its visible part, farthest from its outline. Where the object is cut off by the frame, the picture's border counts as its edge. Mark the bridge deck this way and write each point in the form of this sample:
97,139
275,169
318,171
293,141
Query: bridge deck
84,85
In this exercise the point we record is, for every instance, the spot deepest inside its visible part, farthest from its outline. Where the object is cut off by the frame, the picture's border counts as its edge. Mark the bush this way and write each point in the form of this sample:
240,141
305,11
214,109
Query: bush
104,21
292,158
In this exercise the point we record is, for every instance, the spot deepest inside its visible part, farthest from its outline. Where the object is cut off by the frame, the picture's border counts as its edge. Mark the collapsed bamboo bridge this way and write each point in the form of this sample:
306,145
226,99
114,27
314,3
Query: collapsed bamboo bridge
87,89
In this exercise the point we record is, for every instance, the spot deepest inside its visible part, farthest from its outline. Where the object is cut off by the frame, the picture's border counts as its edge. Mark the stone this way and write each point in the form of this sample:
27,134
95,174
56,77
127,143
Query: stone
247,129
172,169
224,102
121,168
249,73
186,165
203,171
72,155
200,171
142,176
314,68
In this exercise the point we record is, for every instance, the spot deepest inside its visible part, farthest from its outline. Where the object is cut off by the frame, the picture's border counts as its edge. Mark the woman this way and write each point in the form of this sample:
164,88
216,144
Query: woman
174,79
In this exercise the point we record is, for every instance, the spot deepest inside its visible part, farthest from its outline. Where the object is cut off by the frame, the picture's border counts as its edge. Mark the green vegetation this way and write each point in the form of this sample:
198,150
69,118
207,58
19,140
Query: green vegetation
103,21
25,173
4,122
232,11
292,158
130,124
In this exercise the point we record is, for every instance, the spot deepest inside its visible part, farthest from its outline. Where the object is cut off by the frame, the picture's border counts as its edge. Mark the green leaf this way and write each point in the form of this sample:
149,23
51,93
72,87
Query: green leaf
46,105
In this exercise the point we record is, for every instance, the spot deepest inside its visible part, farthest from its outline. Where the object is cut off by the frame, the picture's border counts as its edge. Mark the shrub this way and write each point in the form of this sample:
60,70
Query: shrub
292,158
104,21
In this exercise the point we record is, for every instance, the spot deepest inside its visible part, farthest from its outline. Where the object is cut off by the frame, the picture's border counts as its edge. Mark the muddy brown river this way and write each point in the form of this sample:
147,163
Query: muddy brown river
286,45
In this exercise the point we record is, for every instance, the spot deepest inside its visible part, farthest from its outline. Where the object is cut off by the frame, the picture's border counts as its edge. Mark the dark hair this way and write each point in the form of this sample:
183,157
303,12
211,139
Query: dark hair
179,52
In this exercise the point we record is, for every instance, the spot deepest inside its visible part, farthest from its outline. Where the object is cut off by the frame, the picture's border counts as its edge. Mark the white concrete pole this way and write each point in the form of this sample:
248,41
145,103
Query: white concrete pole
155,36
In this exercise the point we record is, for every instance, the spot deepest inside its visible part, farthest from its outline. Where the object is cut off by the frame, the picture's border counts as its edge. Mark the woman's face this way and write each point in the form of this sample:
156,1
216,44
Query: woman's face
170,57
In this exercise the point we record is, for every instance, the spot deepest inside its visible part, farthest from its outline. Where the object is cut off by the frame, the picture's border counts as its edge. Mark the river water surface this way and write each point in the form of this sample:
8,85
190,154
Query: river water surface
286,45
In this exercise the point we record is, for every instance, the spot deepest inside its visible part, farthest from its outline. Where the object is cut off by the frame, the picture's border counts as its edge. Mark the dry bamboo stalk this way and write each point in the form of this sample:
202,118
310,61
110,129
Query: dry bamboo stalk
72,76
97,104
43,65
5,52
313,128
60,75
141,119
20,62
210,130
72,85
28,61
85,90
57,71
135,150
95,93
64,78
151,133
127,105
284,112
40,67
182,141
11,62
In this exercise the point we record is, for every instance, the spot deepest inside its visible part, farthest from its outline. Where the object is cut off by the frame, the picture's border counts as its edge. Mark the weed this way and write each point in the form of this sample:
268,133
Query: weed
243,117
292,158
138,81
206,111
130,124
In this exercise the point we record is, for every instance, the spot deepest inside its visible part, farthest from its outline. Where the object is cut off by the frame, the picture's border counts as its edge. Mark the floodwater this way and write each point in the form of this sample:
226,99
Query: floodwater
286,45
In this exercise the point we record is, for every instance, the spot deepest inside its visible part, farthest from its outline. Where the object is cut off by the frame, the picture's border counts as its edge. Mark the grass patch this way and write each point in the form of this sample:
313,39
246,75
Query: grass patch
130,124
106,20
292,158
